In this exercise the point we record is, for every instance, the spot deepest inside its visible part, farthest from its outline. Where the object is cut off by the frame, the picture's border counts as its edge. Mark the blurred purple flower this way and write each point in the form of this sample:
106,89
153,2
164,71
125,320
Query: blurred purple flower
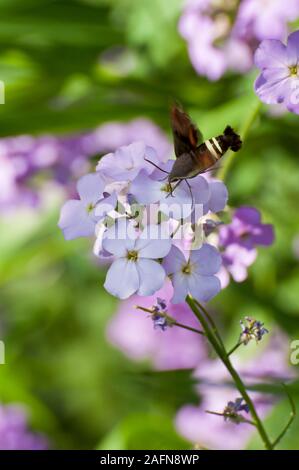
135,269
14,431
246,230
212,48
110,136
77,217
195,276
278,81
64,159
215,390
264,19
237,259
218,197
223,35
175,348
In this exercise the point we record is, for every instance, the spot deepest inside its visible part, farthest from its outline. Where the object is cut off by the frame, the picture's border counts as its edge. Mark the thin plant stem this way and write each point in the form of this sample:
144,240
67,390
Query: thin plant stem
233,373
173,322
244,420
230,157
291,418
234,348
212,323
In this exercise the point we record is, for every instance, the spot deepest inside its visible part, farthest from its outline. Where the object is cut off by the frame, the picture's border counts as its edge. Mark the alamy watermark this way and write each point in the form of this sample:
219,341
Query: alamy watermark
294,356
2,92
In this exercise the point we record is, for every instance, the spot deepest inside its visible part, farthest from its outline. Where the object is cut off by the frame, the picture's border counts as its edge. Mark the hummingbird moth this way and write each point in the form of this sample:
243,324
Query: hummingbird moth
193,154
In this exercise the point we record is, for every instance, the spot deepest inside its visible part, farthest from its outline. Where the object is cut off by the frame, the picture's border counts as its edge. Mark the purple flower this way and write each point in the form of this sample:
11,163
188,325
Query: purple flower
212,48
264,19
130,331
14,431
126,162
195,276
252,329
246,230
237,259
148,191
108,137
278,81
218,197
77,217
135,269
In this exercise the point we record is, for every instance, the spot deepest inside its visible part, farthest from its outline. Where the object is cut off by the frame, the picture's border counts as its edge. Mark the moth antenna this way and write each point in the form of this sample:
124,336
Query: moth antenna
154,164
191,194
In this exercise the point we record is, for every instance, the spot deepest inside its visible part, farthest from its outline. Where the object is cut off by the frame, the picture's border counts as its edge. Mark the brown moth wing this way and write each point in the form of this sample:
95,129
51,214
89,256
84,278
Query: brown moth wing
186,135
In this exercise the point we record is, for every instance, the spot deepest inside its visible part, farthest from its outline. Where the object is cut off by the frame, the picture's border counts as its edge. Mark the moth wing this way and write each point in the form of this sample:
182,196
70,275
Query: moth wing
185,134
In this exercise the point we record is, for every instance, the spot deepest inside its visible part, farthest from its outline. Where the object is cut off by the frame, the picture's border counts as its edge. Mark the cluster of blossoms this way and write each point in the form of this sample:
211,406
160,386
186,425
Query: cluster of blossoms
223,34
252,329
151,230
136,217
28,161
14,431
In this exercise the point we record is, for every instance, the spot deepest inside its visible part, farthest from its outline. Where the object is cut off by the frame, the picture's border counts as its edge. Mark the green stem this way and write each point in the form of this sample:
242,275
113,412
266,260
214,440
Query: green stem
212,323
172,321
229,159
233,373
234,348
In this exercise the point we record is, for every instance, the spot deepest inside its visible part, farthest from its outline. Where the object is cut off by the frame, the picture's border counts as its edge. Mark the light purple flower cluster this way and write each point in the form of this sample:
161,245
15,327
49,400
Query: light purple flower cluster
278,82
136,216
14,431
28,161
222,35
239,239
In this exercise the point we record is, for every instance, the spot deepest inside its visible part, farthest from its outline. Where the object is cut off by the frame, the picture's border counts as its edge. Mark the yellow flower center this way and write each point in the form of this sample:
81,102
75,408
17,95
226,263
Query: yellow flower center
132,255
90,207
186,269
293,70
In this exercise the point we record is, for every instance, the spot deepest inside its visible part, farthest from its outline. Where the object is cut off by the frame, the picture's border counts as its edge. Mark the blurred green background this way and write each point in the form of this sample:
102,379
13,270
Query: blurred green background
55,60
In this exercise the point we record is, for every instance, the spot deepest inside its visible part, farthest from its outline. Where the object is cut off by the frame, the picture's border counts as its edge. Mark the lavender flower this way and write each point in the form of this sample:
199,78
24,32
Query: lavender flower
195,276
246,230
135,269
14,431
127,161
233,411
278,81
212,48
77,218
264,19
236,260
252,329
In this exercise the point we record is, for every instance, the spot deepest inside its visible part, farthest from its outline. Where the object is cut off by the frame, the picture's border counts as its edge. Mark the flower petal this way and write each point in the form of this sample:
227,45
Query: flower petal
120,238
151,276
174,261
154,242
271,53
218,197
180,286
145,190
122,278
203,288
90,188
293,48
75,221
206,260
